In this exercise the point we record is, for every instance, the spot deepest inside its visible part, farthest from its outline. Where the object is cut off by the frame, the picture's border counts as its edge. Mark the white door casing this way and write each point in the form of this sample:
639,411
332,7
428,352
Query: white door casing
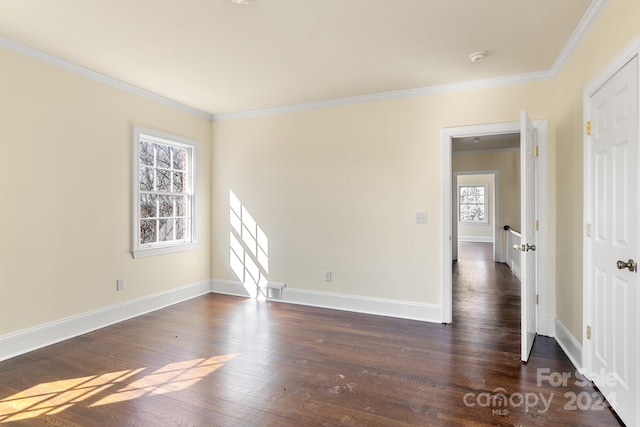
528,215
547,323
611,297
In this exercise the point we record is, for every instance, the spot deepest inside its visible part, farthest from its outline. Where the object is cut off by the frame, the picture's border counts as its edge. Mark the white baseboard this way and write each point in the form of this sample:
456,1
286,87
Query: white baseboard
21,342
548,328
476,239
41,336
229,287
359,304
569,344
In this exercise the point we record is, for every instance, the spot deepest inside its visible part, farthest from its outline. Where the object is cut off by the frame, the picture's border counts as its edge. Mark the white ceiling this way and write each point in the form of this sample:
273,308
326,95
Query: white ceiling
220,58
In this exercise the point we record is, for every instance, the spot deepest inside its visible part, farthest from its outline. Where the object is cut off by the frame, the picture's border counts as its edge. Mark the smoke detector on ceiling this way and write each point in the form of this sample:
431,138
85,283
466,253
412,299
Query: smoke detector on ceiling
478,56
240,1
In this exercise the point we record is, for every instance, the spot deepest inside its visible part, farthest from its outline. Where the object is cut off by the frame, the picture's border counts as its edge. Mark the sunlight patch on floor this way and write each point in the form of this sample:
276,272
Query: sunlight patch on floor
56,396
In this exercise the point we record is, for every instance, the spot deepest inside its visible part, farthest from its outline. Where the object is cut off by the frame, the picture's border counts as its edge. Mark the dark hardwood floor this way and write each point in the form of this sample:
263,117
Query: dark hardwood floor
226,361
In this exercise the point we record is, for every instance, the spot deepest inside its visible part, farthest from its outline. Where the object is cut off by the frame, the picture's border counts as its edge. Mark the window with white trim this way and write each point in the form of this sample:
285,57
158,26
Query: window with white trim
164,199
472,204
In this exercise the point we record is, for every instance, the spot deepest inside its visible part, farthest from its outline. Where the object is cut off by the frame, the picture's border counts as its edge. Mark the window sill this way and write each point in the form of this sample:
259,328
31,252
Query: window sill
164,250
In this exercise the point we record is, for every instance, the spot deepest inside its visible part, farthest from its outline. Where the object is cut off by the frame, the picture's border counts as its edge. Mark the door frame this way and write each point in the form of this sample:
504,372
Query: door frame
616,65
545,324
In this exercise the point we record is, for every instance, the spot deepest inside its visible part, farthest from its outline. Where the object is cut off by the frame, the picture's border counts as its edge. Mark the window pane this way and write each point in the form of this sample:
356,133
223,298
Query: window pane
179,156
146,179
182,207
481,198
166,230
146,154
181,229
148,205
464,212
473,212
165,206
480,212
148,231
164,156
178,182
164,180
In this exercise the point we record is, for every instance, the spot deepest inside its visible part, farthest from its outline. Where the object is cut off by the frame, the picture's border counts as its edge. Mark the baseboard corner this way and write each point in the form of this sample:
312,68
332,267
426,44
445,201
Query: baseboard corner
569,344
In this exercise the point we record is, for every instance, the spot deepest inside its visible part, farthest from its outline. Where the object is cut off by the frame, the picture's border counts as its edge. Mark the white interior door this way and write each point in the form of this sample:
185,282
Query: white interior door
528,260
613,191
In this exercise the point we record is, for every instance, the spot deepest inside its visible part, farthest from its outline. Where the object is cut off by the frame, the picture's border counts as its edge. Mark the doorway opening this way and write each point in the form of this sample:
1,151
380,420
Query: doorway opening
543,321
475,204
481,285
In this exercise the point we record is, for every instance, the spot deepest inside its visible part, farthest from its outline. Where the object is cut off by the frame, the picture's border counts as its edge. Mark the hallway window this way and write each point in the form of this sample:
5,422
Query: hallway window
472,204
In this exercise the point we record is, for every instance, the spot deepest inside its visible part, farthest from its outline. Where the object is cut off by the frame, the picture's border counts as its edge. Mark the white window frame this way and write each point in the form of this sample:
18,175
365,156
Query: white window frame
140,250
486,205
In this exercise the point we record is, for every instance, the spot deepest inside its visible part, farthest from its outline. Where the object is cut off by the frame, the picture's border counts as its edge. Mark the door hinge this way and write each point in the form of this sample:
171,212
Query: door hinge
536,150
537,299
589,128
537,225
588,332
588,229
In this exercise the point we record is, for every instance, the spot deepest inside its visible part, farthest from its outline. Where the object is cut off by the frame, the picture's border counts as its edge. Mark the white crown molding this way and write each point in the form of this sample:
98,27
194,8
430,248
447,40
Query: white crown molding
428,90
93,75
595,9
591,15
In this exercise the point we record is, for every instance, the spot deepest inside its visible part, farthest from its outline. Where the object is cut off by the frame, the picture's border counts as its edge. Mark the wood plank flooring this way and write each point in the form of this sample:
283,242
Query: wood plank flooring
226,361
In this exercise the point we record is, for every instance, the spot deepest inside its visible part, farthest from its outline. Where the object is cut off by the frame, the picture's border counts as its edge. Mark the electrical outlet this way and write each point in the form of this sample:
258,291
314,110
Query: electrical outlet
327,276
421,218
119,284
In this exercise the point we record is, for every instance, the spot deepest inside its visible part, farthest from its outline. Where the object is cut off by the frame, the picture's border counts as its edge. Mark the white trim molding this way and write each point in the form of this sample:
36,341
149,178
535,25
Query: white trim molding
593,12
354,303
229,287
447,135
367,305
93,75
595,9
588,19
569,344
21,342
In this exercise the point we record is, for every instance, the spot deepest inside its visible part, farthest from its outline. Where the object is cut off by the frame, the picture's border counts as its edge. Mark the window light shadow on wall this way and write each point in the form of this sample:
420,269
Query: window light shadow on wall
248,249
96,390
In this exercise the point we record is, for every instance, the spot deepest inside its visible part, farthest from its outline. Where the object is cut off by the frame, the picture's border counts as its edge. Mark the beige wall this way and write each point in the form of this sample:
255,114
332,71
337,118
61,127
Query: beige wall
336,189
65,183
615,29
